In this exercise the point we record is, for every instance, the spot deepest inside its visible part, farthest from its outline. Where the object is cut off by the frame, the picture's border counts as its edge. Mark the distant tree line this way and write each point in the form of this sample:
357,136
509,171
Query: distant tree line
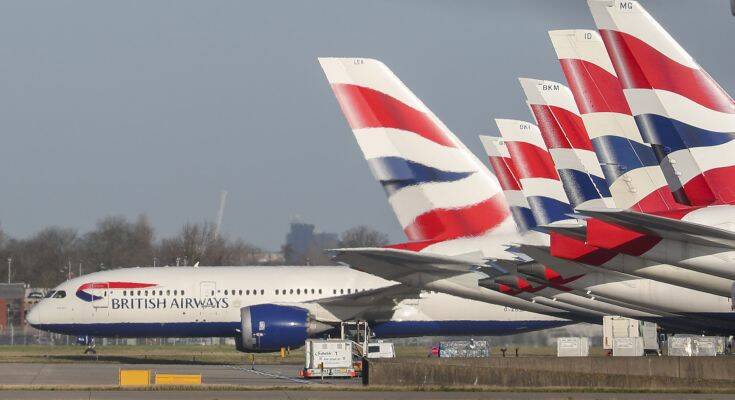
54,254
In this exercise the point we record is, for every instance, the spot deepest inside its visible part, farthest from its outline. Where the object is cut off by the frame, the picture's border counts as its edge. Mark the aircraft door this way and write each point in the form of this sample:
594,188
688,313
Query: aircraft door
101,290
207,293
100,295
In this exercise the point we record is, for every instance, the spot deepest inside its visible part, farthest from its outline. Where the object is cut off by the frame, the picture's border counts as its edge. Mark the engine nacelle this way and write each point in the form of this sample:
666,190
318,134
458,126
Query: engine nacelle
269,327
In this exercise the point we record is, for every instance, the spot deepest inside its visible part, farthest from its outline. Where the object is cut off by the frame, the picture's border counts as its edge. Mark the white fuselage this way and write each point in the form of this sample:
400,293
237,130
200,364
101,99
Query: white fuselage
206,301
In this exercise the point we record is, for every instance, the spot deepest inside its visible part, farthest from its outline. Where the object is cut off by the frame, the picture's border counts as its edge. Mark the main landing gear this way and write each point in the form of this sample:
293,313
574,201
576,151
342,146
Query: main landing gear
89,342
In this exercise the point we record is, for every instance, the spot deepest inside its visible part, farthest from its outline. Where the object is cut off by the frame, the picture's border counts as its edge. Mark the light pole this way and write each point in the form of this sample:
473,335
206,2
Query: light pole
10,264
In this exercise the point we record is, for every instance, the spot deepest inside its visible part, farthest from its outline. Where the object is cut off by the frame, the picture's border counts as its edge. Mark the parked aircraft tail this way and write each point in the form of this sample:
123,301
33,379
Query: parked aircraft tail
506,172
437,188
680,110
563,131
636,181
539,180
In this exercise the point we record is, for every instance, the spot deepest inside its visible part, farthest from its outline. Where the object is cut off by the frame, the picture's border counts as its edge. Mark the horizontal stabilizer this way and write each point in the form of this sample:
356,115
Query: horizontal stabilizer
663,227
575,231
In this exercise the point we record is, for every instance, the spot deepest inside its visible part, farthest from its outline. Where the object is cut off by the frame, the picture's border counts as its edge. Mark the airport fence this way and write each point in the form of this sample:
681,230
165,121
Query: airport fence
28,336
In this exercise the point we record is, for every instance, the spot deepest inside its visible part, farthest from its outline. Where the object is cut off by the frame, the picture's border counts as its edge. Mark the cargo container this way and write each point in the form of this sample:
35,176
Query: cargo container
572,347
696,346
464,348
628,347
380,350
622,327
330,358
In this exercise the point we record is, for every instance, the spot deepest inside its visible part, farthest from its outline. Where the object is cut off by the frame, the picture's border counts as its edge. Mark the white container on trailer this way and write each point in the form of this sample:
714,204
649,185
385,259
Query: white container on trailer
704,346
628,347
622,327
380,350
649,333
328,358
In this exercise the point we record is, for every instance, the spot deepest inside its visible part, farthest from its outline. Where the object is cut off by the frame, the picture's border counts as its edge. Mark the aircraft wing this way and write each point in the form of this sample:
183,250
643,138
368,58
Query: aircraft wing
389,295
663,227
392,264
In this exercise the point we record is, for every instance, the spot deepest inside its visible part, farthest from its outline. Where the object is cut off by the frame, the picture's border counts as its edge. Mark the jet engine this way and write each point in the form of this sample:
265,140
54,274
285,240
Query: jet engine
269,327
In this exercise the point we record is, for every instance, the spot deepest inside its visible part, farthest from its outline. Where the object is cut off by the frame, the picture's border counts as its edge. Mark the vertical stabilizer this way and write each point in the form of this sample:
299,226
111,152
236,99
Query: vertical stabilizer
504,169
536,172
563,131
680,110
443,196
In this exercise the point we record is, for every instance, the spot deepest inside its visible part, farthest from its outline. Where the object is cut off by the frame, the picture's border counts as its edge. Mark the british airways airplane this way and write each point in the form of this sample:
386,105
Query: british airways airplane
454,218
264,308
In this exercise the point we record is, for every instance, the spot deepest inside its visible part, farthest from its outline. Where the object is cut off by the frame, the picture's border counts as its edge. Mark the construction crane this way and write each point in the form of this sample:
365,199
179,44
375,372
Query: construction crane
220,213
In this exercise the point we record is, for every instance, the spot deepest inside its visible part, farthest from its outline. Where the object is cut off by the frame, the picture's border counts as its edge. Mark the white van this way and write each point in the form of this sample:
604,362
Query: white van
380,350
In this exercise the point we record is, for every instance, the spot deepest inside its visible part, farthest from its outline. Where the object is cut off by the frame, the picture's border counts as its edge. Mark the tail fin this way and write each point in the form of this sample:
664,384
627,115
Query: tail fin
563,131
630,165
437,188
536,172
679,108
503,167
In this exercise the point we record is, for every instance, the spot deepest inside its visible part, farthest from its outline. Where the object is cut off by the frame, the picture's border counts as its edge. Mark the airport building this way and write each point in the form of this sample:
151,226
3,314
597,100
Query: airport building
12,305
303,241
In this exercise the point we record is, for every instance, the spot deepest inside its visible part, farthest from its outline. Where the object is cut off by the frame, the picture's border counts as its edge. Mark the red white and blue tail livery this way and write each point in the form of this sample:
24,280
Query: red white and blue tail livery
505,170
679,108
629,164
444,197
536,171
563,131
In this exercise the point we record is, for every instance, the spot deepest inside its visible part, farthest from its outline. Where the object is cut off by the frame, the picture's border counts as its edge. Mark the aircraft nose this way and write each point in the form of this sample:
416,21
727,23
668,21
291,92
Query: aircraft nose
34,316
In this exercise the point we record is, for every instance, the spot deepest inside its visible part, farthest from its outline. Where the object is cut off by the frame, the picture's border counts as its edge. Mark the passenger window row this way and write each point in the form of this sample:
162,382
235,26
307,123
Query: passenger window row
167,292
319,291
298,291
240,292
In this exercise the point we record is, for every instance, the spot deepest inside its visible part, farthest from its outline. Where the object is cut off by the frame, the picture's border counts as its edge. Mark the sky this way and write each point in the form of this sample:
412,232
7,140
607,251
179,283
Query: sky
154,107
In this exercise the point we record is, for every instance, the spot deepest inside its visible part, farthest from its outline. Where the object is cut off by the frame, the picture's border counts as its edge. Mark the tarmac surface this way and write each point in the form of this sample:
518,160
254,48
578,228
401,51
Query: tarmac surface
107,374
334,395
281,376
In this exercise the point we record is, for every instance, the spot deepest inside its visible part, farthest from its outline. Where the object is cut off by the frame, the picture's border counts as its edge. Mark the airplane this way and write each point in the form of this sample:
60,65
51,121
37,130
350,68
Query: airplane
673,303
414,294
264,308
562,127
448,203
695,238
680,110
554,287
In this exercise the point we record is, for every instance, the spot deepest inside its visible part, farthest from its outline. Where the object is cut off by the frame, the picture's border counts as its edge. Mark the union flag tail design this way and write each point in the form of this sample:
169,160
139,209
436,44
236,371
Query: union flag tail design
504,169
630,166
563,131
437,188
536,172
680,110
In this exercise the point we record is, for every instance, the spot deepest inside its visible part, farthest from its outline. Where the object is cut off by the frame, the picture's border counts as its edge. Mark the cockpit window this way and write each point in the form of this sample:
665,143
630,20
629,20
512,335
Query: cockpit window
50,294
60,294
